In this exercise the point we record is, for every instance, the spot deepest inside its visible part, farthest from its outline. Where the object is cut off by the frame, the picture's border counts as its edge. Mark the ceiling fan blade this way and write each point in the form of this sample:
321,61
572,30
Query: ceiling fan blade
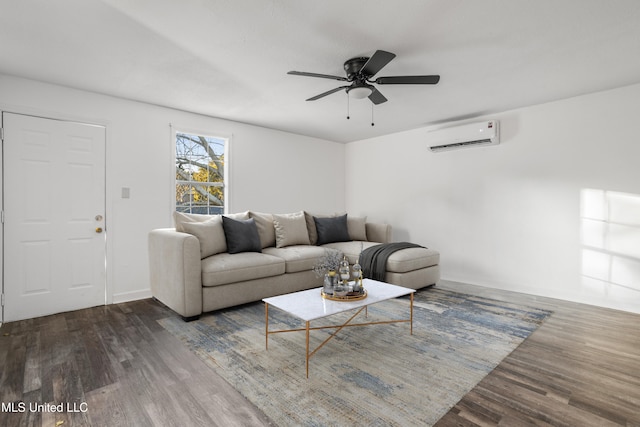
376,62
329,92
408,80
324,76
376,97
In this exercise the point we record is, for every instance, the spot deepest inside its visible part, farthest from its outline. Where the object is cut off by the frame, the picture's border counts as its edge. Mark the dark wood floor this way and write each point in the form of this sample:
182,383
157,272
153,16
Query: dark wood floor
580,368
120,362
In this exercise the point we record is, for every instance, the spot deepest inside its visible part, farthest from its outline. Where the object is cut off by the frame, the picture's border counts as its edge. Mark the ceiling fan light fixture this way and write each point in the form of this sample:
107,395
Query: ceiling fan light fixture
360,92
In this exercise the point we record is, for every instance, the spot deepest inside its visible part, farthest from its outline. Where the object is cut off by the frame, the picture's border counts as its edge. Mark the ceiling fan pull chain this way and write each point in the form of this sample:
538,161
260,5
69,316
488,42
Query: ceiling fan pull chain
348,106
372,124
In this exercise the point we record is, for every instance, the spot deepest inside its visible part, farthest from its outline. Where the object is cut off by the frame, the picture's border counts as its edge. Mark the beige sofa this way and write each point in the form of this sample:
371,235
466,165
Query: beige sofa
211,262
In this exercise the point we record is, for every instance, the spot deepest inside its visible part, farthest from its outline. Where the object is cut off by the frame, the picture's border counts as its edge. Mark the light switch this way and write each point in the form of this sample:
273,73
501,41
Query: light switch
126,192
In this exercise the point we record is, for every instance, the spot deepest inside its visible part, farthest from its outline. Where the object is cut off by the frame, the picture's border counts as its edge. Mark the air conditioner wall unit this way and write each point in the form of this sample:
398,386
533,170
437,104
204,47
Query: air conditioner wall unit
463,136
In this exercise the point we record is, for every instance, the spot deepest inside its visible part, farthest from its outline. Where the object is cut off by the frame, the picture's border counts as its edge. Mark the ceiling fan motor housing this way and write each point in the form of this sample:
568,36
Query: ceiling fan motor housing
353,66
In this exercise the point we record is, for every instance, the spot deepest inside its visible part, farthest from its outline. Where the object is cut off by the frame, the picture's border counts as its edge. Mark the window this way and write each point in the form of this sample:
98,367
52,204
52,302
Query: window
200,175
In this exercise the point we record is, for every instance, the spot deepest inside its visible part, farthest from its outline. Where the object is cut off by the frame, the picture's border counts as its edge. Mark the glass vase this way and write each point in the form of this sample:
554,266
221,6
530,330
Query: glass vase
329,280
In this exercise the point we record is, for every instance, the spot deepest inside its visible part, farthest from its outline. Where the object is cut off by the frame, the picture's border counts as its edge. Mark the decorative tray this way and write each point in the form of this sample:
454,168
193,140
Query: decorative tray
351,296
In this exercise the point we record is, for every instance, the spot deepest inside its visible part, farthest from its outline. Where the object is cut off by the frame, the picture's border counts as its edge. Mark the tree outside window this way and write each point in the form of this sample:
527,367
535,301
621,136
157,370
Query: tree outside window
200,186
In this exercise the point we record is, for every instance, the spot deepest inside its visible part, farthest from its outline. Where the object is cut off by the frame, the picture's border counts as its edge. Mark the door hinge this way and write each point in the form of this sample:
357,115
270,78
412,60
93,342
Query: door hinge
2,134
2,217
2,300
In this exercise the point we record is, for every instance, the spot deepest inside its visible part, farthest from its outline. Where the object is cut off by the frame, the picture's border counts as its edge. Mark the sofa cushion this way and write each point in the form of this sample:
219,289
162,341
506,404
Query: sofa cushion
331,230
225,268
298,257
266,230
180,218
210,234
357,227
411,259
291,229
241,235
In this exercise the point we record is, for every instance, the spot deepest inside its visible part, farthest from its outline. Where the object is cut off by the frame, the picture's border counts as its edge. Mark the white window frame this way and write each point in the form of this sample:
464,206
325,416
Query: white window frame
175,130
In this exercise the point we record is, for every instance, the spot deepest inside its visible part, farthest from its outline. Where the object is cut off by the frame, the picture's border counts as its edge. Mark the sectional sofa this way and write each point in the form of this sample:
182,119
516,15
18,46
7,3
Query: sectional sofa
210,262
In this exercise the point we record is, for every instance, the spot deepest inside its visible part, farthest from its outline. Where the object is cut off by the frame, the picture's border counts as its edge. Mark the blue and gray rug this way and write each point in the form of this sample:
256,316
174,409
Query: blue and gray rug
371,376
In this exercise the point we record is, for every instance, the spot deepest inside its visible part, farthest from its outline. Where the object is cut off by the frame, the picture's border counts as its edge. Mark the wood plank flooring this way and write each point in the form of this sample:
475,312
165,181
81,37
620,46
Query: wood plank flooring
580,368
120,363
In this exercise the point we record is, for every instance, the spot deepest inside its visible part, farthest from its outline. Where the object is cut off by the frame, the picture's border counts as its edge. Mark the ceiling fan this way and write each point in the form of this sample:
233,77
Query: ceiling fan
360,72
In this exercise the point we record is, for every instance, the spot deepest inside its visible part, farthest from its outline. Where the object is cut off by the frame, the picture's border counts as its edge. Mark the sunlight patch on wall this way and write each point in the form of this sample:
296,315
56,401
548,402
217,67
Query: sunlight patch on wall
610,234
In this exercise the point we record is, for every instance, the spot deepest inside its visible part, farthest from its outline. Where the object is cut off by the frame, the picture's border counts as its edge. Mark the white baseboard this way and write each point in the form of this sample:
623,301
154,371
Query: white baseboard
131,296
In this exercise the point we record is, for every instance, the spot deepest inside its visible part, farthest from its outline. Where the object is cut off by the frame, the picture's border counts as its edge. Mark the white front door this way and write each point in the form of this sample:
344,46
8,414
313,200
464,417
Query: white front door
54,207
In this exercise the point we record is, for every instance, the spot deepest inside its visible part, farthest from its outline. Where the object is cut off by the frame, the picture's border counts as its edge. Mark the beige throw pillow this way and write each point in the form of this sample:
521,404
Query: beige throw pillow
181,218
357,227
210,234
290,229
266,230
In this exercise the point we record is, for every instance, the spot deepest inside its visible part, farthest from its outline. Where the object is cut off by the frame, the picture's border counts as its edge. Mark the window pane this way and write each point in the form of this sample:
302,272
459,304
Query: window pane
199,174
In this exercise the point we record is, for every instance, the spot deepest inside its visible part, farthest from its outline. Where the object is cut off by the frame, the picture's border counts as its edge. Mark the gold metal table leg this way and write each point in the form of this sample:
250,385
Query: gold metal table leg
266,322
411,315
307,327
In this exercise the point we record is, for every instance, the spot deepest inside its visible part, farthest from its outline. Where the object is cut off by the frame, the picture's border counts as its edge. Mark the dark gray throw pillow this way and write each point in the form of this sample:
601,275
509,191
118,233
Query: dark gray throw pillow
332,229
241,235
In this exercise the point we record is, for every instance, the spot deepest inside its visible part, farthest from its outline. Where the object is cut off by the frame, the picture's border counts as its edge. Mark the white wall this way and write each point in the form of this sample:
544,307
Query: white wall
271,171
554,210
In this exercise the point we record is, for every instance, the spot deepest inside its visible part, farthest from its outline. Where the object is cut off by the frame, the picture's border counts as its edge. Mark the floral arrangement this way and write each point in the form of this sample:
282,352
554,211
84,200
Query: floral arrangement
330,261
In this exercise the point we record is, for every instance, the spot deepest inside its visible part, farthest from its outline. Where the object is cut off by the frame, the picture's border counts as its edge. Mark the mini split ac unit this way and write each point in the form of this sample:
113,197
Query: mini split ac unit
467,135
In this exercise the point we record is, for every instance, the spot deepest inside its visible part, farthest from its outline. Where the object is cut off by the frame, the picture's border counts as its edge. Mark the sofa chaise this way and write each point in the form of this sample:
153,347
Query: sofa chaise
210,262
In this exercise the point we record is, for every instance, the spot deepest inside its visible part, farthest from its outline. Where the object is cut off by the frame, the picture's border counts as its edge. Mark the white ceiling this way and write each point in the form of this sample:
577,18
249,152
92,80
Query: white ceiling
229,58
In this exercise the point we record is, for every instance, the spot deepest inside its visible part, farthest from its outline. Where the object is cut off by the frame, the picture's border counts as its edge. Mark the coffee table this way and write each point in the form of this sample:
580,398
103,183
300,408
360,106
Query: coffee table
310,305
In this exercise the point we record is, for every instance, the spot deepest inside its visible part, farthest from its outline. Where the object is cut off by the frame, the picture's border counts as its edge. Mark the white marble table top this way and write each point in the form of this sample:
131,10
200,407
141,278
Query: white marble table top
309,305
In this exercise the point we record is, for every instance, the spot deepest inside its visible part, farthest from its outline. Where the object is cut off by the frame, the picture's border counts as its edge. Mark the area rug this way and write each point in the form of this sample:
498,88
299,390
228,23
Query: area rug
377,375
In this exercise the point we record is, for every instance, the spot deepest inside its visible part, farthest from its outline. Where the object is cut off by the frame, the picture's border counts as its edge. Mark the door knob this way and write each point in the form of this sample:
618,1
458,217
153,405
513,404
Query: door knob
99,230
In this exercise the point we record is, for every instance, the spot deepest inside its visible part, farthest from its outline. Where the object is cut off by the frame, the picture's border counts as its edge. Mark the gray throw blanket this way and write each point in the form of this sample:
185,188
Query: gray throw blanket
374,259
